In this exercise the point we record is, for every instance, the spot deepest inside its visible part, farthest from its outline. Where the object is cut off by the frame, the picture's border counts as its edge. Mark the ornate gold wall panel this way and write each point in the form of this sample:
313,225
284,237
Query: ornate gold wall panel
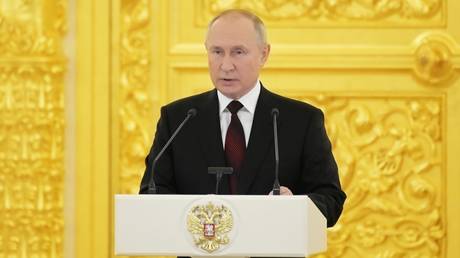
136,102
401,13
32,69
390,149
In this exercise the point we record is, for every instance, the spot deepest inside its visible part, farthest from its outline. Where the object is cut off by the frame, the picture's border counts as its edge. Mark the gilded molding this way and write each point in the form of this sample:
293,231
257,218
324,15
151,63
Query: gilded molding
36,32
434,59
18,39
135,110
31,161
60,22
326,11
389,150
31,129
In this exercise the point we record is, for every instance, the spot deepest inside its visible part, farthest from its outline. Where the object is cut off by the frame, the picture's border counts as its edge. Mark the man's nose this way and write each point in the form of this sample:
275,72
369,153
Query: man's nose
227,64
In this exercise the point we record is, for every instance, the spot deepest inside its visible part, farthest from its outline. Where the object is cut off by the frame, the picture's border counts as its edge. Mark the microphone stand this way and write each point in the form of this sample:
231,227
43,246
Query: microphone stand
219,171
152,189
276,184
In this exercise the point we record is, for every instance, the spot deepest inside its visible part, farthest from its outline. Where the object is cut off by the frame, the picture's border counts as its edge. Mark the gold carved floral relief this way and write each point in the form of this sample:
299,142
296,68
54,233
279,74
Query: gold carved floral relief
389,150
135,111
336,12
32,125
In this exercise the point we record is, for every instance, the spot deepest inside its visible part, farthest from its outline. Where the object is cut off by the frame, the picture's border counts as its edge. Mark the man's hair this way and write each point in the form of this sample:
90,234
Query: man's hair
259,25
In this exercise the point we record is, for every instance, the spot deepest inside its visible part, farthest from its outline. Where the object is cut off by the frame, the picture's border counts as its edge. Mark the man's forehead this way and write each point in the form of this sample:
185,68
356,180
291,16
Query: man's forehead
227,46
231,38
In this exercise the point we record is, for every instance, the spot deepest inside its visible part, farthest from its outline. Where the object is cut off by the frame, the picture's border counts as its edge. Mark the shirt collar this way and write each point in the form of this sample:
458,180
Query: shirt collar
249,100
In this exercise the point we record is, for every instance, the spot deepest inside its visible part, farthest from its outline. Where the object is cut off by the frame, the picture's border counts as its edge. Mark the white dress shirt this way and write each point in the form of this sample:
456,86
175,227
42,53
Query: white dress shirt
245,114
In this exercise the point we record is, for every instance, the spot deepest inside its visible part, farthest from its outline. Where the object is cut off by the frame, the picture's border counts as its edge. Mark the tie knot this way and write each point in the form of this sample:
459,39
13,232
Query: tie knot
234,106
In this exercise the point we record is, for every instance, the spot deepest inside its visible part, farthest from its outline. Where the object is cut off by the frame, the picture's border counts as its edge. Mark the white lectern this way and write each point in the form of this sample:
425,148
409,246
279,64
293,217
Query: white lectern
218,225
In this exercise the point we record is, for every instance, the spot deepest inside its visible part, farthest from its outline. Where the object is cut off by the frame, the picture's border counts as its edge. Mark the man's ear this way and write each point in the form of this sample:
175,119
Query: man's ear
265,54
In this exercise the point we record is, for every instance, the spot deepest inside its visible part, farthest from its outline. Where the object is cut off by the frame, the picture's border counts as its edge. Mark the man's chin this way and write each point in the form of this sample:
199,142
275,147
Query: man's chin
229,92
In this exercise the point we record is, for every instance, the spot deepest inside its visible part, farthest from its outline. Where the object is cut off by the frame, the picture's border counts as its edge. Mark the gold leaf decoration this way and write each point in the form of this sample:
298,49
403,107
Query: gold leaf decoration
325,11
31,129
389,150
135,103
433,60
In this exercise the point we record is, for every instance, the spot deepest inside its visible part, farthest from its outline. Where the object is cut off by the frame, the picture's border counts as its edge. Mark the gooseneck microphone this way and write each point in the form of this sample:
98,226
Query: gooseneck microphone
152,189
276,184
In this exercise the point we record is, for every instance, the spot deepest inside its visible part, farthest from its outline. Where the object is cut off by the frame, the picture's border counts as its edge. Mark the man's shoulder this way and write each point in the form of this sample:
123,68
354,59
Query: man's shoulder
291,104
193,101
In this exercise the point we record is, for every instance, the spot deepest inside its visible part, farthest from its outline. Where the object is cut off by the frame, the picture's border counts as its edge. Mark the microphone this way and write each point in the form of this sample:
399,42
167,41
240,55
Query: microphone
276,184
219,171
152,189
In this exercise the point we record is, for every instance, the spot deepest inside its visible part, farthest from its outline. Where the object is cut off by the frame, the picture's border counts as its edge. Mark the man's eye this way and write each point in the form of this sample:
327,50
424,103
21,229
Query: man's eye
239,52
217,52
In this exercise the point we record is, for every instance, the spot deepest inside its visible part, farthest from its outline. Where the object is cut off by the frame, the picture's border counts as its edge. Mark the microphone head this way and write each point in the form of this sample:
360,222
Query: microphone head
192,112
275,112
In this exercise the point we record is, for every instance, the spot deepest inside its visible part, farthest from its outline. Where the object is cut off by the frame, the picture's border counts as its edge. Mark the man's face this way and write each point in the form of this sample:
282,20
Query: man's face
235,55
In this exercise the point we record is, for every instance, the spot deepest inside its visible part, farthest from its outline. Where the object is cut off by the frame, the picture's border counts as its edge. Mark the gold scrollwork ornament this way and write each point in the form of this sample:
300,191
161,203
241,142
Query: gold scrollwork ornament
209,226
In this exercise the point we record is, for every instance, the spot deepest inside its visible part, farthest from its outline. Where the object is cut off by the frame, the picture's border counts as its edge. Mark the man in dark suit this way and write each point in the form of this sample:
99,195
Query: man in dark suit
233,127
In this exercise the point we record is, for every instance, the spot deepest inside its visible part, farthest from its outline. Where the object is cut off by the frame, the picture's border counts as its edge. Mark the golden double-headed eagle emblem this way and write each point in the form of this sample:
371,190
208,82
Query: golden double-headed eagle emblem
209,225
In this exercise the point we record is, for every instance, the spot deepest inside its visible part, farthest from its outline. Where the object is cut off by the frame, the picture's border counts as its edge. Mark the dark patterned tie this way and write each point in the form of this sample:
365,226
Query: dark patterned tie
235,144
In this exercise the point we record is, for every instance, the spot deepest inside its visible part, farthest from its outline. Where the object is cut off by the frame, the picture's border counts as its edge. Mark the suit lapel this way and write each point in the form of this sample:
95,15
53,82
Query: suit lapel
208,128
260,140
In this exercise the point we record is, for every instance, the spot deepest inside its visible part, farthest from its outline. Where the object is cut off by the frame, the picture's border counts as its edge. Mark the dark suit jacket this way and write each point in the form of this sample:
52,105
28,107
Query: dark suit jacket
307,165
